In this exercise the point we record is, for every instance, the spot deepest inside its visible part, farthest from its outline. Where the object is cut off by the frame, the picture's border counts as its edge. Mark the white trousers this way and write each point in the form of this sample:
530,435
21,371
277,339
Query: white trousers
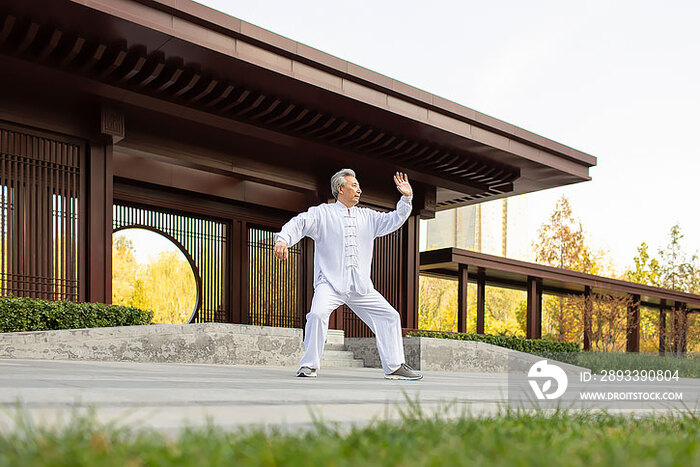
372,308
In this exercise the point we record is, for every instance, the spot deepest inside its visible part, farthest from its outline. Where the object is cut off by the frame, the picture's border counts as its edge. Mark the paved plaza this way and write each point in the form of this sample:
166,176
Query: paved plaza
167,396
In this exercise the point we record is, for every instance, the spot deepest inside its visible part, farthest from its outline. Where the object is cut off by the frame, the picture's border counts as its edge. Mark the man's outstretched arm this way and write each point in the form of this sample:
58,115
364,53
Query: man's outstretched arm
387,222
298,227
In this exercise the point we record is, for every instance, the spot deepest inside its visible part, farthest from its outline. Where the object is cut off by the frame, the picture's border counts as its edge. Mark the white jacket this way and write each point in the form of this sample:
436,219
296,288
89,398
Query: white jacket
344,240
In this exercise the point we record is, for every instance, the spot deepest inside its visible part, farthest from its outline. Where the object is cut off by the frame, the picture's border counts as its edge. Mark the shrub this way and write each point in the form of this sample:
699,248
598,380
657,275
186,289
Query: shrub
27,314
534,346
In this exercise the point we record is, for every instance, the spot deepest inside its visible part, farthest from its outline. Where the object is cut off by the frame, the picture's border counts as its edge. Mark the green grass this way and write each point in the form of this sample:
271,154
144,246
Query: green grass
511,438
688,366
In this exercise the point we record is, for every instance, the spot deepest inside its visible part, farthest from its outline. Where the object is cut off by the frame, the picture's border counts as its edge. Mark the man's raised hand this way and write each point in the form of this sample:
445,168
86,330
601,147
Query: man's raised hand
401,180
280,250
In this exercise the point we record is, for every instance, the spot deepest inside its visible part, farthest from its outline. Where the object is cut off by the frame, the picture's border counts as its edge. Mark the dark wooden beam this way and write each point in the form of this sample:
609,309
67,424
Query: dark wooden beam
235,268
512,273
410,276
462,288
245,280
7,27
99,223
587,318
480,300
308,286
534,308
662,328
112,124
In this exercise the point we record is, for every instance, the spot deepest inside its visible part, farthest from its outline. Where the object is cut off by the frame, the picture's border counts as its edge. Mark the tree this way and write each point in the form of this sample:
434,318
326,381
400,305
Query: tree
437,304
501,307
438,308
646,271
646,268
170,288
165,285
124,270
560,318
562,243
676,270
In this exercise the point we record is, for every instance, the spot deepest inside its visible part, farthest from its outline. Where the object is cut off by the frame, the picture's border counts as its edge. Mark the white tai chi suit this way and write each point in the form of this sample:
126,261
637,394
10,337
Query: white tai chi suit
344,239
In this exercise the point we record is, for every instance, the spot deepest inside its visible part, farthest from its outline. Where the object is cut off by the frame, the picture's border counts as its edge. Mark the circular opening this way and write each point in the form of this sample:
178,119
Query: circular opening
150,272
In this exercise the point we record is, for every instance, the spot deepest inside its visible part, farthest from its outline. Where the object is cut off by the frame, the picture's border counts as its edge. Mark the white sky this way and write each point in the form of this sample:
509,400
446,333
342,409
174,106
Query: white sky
616,79
148,245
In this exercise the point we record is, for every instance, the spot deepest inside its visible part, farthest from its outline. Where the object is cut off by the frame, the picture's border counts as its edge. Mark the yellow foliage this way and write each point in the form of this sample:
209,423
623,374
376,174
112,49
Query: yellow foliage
166,285
438,308
124,270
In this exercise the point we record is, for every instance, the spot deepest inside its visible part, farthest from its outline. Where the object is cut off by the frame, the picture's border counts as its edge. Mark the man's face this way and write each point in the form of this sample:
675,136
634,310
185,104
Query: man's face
350,193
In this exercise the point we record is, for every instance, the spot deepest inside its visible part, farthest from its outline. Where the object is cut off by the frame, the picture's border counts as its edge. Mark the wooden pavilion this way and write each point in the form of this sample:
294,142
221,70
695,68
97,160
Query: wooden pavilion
170,116
537,279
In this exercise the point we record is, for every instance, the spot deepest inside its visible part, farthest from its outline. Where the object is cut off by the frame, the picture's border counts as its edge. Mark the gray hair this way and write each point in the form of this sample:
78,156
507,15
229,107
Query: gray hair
338,179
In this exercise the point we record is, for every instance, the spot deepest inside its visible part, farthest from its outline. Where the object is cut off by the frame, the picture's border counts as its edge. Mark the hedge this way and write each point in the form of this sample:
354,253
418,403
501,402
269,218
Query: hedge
534,346
26,314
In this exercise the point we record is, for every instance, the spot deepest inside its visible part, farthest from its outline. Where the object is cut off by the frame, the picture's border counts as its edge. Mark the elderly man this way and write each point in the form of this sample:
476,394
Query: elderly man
344,237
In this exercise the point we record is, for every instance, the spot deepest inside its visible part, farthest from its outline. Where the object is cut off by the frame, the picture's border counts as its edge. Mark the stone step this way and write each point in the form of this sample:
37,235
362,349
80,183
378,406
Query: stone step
335,336
330,346
338,354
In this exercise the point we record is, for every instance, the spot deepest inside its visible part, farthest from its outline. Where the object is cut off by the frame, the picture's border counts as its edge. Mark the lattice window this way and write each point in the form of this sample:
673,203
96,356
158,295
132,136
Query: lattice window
40,190
204,239
275,295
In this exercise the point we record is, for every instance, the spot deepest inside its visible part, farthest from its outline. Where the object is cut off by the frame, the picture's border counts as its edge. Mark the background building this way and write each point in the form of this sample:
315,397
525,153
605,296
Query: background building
498,227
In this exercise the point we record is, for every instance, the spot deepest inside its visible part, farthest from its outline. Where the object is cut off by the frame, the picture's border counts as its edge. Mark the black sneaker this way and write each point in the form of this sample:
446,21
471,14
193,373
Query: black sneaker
306,372
404,372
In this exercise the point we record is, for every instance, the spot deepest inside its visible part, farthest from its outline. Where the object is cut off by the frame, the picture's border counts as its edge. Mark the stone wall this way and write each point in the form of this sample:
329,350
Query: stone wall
233,344
239,344
429,353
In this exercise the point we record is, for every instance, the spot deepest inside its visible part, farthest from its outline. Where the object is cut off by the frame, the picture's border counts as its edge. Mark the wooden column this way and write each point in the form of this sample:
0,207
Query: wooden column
662,328
234,269
410,273
633,324
480,300
99,223
534,308
245,275
587,318
462,287
308,278
100,201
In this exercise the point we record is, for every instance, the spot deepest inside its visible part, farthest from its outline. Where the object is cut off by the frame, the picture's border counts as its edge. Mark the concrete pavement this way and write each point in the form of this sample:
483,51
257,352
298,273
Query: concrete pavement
166,396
